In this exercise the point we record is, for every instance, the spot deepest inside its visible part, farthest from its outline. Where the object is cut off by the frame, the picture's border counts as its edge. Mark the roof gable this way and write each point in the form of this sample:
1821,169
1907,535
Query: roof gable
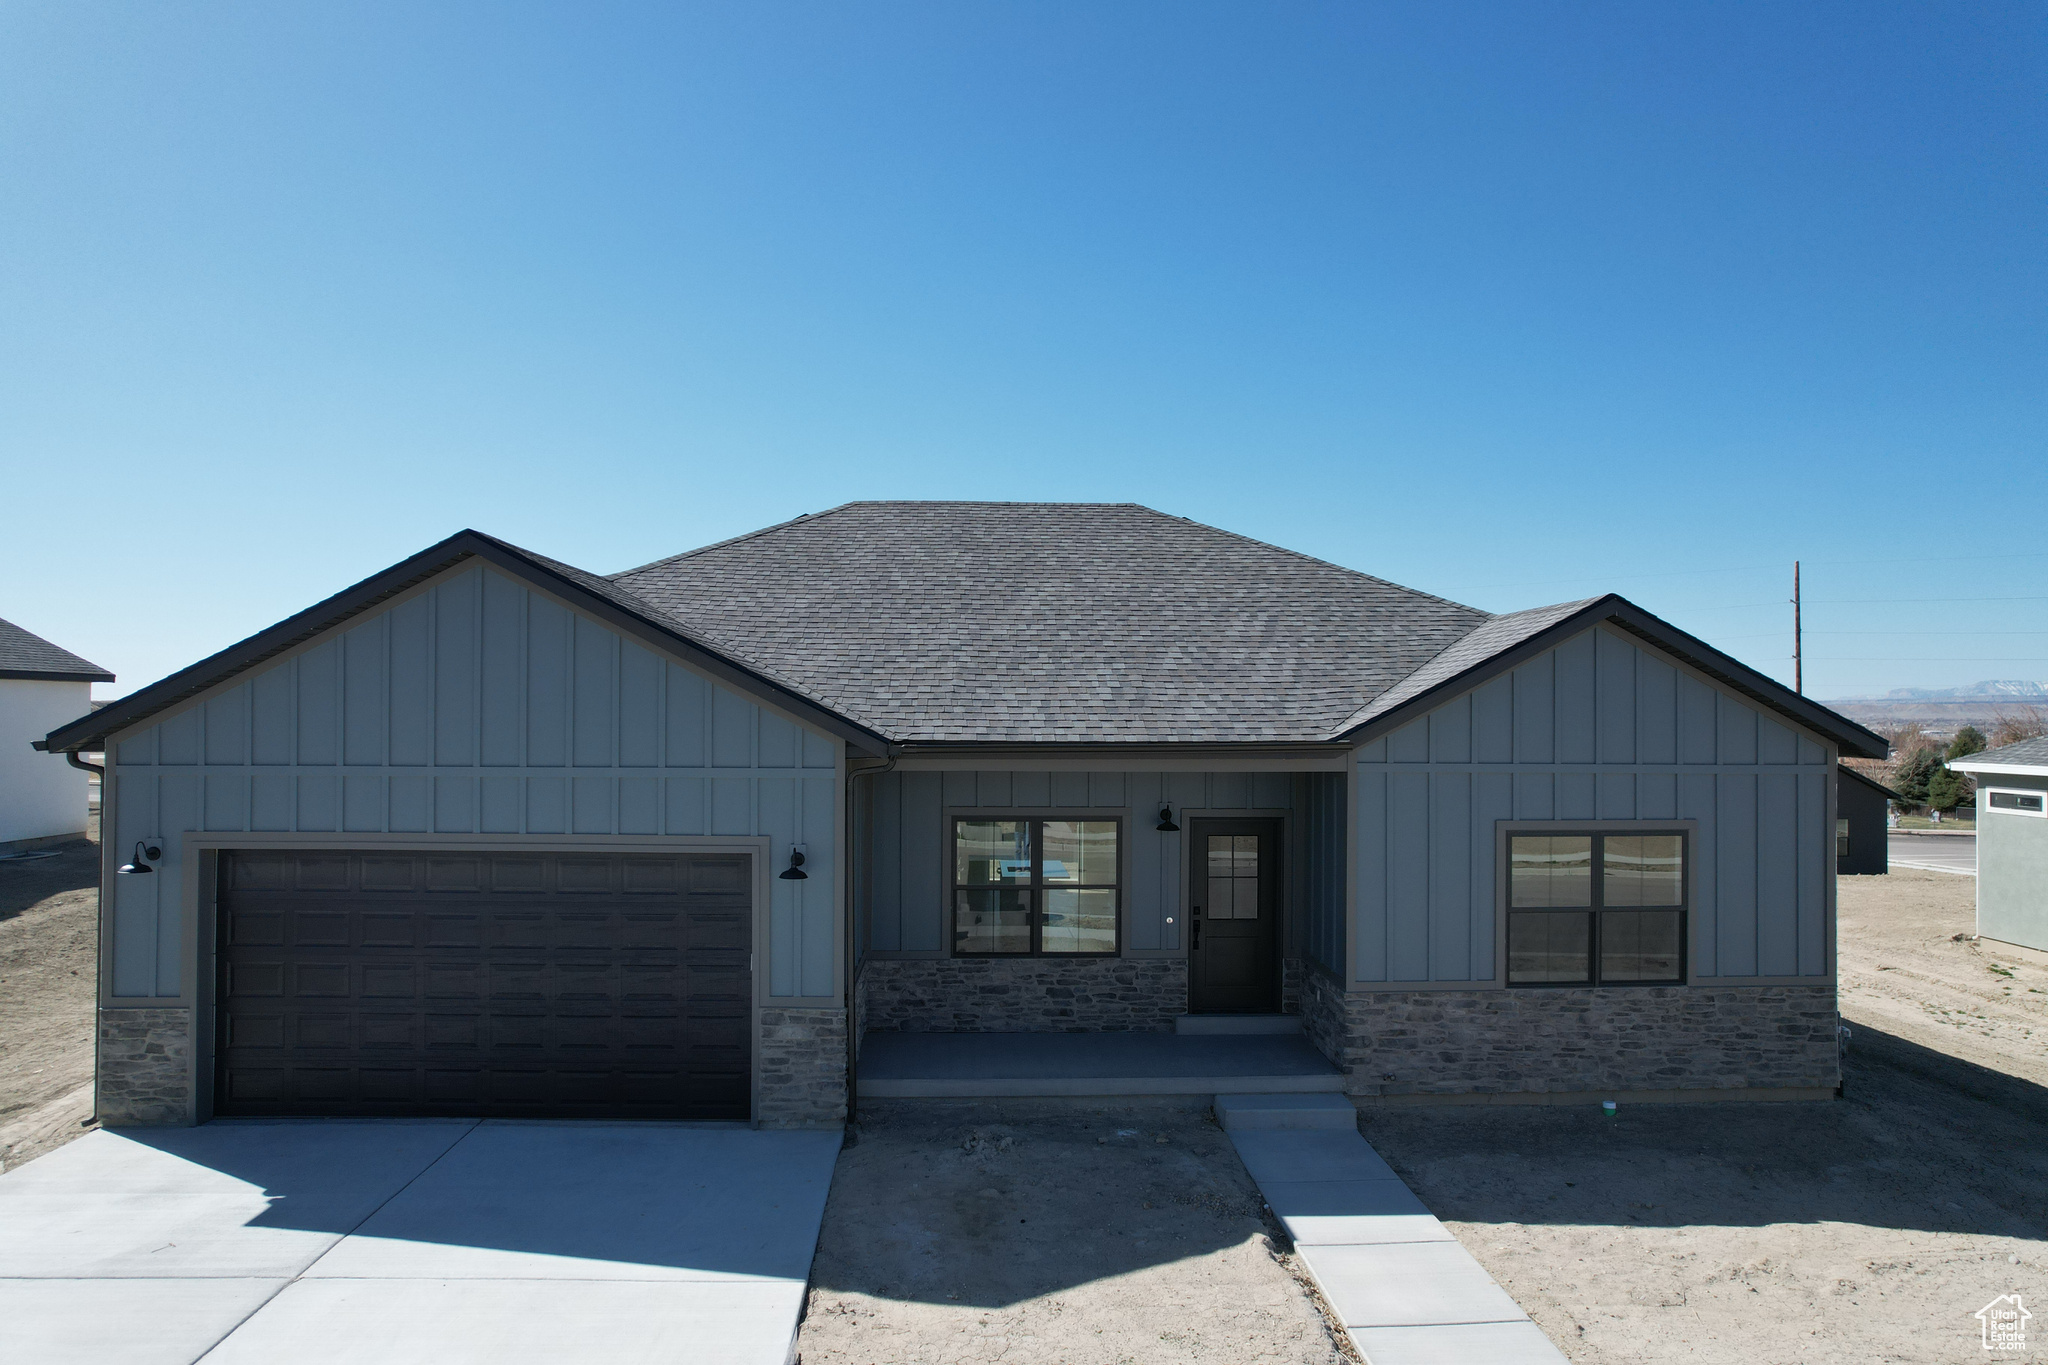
31,658
587,592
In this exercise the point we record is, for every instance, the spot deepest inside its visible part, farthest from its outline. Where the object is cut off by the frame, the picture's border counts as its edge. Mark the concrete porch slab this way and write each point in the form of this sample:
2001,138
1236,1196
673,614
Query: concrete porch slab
982,1065
1237,1023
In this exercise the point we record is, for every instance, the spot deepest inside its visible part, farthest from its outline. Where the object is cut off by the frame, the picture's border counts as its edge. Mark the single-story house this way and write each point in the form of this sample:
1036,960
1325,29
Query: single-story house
488,834
2012,841
43,798
1862,823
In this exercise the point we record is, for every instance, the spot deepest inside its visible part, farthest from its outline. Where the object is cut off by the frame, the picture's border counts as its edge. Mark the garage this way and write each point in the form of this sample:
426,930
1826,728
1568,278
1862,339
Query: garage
492,984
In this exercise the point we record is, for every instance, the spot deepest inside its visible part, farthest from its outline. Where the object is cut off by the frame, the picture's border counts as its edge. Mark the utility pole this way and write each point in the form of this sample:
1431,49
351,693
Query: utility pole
1798,664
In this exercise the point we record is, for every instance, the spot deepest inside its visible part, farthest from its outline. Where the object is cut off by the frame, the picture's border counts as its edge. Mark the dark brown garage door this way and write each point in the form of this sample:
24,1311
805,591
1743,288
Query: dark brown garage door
494,984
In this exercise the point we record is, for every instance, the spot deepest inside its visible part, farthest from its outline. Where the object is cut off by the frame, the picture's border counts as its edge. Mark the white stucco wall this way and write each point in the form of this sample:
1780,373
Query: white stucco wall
40,794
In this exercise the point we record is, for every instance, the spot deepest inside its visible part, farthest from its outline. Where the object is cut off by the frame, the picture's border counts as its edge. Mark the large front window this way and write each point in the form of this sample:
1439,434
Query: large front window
1023,887
1596,909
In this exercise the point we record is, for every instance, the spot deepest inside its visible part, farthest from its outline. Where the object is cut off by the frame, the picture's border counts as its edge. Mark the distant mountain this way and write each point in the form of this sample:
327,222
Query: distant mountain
2005,690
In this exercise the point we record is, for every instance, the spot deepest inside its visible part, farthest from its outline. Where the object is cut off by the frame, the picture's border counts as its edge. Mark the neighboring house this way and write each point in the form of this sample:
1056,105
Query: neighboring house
1862,824
2012,841
487,834
43,798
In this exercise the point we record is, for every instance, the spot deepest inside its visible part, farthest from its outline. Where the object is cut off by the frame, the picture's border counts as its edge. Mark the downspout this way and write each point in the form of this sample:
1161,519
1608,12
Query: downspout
71,757
851,862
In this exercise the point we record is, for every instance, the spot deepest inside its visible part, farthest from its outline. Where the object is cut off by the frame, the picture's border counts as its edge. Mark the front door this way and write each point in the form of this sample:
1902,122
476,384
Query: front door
1234,950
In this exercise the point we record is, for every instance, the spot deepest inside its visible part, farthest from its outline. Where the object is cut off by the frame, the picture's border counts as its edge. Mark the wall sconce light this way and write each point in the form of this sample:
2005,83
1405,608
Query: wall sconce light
1166,825
795,871
145,854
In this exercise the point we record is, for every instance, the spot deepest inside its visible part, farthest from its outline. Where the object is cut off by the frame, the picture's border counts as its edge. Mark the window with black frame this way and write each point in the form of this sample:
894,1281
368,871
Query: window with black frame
1035,887
1596,909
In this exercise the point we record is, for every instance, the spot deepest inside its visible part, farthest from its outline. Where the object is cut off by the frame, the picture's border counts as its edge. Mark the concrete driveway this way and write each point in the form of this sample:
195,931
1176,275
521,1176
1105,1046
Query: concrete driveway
396,1241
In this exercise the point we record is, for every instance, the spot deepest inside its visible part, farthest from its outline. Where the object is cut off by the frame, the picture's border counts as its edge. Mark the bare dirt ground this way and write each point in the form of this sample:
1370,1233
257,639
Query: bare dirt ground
1037,1233
49,910
1866,1230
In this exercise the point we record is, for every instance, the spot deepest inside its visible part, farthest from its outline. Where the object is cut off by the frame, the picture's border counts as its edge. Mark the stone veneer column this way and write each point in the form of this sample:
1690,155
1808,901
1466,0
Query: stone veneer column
144,1073
802,1080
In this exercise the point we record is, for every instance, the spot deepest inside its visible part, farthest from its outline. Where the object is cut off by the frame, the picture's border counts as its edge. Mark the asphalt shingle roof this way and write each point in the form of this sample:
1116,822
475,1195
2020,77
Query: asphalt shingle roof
1053,622
2025,753
23,655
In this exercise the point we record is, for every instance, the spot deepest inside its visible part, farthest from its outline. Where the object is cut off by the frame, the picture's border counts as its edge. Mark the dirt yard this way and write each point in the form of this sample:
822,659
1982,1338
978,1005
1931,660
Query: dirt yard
1867,1230
1037,1233
49,911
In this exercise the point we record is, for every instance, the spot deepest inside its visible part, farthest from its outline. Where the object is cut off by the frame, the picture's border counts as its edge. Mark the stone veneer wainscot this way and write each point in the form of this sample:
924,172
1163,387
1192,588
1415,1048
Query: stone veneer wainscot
1577,1040
1023,995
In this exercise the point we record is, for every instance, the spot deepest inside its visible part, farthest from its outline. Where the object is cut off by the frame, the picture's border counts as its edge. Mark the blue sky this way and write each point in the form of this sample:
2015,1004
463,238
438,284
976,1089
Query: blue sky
1514,303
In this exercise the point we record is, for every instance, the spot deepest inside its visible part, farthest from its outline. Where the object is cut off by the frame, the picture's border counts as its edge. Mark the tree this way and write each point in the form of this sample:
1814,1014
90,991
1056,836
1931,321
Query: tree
2010,727
1948,789
1969,740
1911,775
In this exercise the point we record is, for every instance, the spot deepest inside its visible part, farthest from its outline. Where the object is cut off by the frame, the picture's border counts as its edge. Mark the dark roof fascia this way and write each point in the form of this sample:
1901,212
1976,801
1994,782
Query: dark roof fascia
997,752
1855,741
92,730
55,675
1870,782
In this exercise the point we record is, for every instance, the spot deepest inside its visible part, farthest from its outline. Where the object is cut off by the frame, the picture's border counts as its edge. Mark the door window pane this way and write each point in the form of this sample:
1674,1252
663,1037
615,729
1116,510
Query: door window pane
992,922
992,852
1639,945
1550,947
1547,870
1079,922
1080,852
1233,877
1647,869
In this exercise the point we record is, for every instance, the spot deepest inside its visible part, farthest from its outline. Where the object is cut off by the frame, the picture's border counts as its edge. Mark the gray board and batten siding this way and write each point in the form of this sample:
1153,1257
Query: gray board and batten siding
473,705
1596,729
906,885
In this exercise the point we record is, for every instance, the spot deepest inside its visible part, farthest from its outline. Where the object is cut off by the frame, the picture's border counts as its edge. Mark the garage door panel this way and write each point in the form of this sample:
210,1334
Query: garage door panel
497,985
324,928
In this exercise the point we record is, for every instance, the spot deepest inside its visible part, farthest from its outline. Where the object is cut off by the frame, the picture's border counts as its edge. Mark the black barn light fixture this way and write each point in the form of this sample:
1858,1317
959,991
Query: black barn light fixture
1166,825
145,854
795,871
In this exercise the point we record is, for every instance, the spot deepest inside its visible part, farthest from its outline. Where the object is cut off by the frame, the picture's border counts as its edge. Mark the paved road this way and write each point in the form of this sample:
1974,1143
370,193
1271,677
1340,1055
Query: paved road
1935,852
330,1241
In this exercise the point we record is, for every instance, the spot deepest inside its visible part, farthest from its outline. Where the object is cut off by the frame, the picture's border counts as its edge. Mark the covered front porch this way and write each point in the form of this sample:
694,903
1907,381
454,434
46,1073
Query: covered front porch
1205,1055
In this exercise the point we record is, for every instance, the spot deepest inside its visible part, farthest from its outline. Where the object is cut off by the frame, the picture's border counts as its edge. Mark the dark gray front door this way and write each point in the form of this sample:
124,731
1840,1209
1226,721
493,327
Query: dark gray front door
1234,959
535,985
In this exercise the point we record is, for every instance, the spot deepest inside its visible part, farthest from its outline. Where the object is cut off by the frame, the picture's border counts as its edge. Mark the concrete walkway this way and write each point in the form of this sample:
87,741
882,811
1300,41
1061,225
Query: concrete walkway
432,1241
1407,1292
